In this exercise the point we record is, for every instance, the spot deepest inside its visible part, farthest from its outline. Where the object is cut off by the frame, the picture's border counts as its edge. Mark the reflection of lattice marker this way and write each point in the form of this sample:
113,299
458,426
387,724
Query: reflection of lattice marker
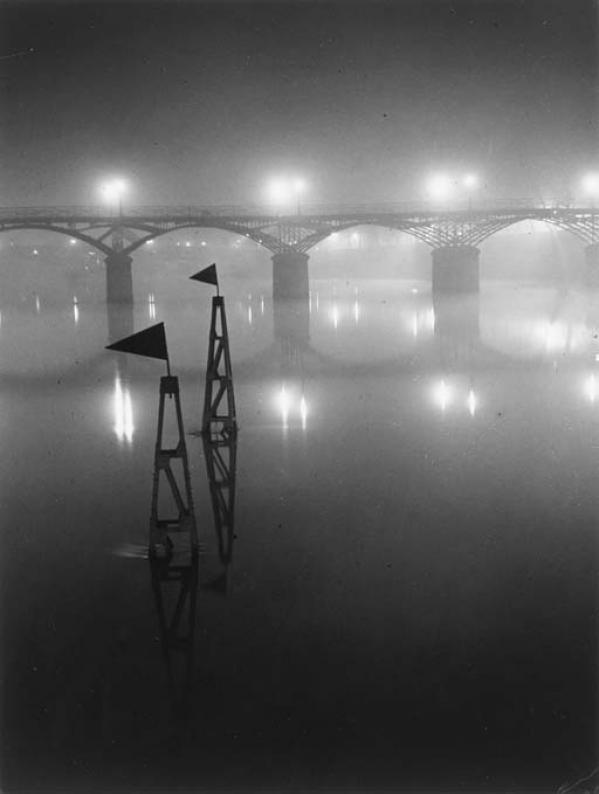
175,587
171,469
221,462
219,418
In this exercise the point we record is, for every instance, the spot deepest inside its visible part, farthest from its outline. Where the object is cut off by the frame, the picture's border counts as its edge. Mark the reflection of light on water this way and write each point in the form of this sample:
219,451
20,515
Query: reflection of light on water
123,412
356,311
335,316
37,304
317,301
290,402
261,304
303,412
309,303
415,325
442,395
250,315
471,402
151,306
590,388
134,551
284,405
554,335
430,319
75,311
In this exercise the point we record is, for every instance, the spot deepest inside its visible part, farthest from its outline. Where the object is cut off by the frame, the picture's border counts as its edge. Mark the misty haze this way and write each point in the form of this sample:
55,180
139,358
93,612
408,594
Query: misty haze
299,372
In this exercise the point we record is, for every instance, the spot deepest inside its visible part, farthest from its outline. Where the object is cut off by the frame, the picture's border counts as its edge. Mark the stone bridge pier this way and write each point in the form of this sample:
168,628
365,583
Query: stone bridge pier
456,269
119,279
290,280
591,256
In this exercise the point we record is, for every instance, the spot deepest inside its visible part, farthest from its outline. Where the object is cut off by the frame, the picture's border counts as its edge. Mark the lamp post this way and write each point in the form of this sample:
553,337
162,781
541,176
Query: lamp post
590,186
470,183
113,192
299,185
443,187
285,192
440,187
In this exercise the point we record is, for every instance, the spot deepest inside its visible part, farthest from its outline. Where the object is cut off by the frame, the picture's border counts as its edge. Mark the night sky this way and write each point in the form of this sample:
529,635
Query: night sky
203,102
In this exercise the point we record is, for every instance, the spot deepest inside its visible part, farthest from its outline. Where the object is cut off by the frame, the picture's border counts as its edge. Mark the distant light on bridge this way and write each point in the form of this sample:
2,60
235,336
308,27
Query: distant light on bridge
440,187
112,193
590,184
72,241
443,187
470,181
285,192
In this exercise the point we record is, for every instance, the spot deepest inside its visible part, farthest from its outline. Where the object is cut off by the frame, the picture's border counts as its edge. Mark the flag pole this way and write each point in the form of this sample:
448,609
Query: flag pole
168,366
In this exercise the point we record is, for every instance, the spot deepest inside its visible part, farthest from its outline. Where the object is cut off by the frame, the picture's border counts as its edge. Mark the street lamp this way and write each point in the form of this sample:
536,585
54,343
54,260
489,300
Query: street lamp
299,186
112,193
440,187
590,186
443,187
470,183
284,191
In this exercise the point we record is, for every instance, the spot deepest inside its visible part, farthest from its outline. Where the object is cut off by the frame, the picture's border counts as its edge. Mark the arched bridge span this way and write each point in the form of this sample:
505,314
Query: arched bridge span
452,235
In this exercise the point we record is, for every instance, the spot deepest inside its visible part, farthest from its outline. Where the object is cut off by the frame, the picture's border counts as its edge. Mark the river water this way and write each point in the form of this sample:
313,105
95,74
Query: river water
410,598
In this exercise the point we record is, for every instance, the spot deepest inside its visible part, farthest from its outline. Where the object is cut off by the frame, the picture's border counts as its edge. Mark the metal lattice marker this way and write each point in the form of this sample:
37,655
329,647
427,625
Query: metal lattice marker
219,418
180,522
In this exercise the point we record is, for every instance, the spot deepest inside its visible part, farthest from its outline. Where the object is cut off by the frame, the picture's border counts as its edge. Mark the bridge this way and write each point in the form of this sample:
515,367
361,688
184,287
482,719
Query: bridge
453,235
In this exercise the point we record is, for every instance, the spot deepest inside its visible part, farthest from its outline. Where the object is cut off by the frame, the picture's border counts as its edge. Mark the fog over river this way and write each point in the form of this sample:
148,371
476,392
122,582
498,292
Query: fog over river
409,595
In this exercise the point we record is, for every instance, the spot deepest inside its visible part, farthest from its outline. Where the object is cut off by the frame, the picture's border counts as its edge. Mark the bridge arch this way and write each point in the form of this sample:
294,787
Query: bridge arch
267,241
312,240
581,229
74,233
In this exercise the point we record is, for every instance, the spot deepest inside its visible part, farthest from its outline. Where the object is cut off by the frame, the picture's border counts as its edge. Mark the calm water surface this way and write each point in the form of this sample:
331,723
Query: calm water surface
411,602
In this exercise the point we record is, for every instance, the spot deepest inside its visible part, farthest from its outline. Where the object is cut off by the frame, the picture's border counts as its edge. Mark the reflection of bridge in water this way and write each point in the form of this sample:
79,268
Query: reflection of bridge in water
453,236
453,340
455,344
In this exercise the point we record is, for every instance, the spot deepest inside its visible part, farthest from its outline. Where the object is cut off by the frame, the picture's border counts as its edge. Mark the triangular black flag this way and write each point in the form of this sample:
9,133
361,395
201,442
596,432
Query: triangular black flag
150,342
207,275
